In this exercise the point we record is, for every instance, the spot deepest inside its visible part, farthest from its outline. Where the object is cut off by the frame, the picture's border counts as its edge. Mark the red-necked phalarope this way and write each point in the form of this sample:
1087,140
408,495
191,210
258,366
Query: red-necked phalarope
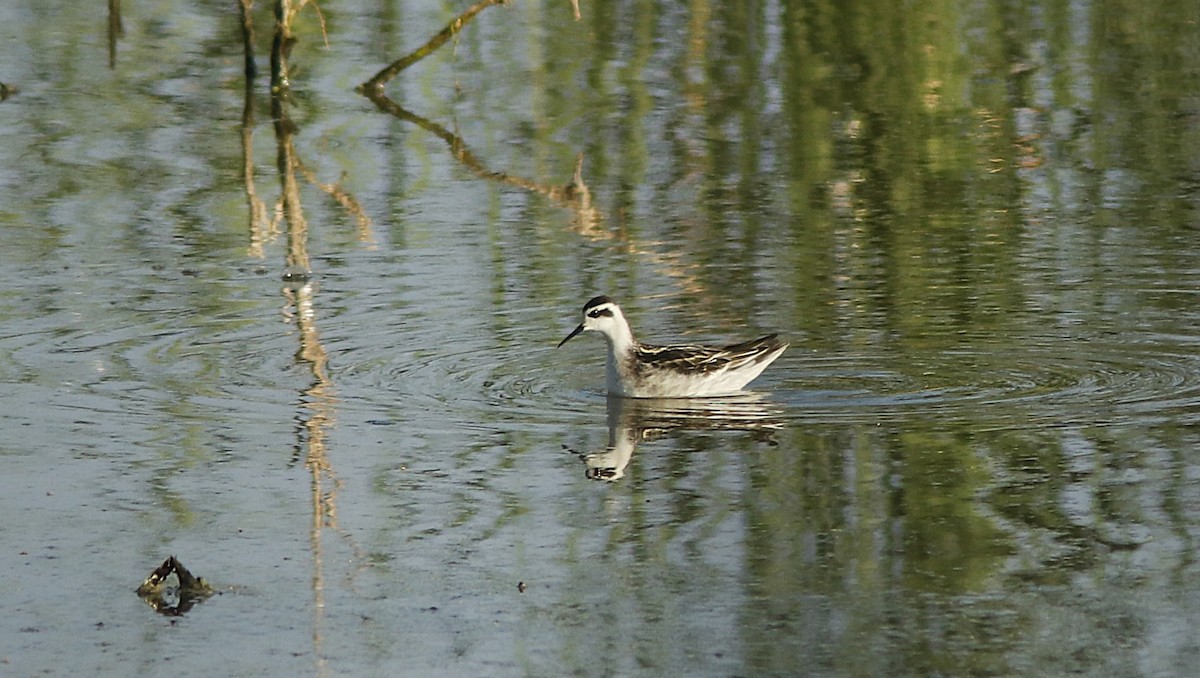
638,370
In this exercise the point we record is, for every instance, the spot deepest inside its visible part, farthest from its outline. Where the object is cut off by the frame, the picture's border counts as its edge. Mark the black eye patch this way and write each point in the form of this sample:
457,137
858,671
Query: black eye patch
597,312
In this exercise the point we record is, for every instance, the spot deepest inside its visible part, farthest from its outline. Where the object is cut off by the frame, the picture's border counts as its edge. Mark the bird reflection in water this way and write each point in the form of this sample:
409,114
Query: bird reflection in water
632,420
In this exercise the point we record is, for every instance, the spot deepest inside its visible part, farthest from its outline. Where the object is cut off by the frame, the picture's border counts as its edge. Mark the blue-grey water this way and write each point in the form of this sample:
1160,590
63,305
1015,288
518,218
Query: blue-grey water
309,348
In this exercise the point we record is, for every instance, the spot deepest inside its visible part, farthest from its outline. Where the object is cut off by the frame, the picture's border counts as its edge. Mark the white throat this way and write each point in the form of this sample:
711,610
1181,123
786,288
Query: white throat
619,366
619,336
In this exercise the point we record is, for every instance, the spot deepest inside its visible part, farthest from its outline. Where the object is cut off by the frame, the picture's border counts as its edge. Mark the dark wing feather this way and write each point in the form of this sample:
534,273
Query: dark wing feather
707,358
755,346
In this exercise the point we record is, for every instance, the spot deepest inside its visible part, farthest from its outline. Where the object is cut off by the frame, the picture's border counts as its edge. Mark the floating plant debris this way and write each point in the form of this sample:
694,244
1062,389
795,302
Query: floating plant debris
172,590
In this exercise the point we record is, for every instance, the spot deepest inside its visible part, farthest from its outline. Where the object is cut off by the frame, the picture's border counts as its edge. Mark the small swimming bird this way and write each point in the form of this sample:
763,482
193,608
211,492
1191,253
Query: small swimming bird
638,370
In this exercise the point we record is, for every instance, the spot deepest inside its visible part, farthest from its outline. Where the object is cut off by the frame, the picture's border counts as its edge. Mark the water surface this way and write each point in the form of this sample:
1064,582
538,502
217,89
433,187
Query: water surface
976,226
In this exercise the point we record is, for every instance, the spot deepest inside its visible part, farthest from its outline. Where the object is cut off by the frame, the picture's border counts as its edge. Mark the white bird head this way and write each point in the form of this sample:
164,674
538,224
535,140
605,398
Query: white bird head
602,315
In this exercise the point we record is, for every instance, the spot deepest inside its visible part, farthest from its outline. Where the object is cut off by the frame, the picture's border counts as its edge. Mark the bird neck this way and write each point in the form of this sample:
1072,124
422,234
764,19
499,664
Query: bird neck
620,340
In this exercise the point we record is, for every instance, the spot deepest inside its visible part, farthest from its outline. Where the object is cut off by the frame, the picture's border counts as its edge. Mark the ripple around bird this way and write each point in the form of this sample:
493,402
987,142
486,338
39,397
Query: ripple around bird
1047,384
245,361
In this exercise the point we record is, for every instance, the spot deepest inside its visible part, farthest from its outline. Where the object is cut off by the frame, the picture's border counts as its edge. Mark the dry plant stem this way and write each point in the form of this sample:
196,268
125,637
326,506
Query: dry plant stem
345,199
248,37
281,46
116,30
375,84
293,211
459,149
575,195
262,228
286,161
